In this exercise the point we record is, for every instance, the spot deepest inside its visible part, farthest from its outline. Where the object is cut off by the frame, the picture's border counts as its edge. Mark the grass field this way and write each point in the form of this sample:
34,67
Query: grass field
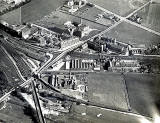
120,7
12,17
131,34
106,116
15,112
91,13
107,89
89,114
32,11
36,9
57,19
151,16
143,91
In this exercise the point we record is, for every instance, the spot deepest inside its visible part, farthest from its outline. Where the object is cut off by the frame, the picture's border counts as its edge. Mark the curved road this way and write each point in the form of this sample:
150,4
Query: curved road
24,81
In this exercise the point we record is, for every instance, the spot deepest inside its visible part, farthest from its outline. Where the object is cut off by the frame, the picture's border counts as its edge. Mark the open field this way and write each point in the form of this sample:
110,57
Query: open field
55,22
59,18
13,17
3,83
36,9
105,116
7,67
117,5
91,13
107,89
151,16
143,91
32,11
131,34
88,12
15,112
7,6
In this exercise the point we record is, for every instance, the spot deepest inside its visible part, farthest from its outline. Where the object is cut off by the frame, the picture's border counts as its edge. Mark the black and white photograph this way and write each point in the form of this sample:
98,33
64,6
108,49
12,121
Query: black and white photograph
79,61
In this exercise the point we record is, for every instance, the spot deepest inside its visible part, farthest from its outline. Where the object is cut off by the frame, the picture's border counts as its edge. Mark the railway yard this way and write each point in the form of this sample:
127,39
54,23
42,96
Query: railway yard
79,61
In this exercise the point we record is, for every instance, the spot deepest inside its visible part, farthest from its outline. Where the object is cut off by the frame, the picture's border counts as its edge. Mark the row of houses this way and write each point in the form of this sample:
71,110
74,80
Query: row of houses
121,65
105,44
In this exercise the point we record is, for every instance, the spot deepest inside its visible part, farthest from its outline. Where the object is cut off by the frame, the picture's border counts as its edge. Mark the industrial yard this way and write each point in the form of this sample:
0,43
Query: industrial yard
79,61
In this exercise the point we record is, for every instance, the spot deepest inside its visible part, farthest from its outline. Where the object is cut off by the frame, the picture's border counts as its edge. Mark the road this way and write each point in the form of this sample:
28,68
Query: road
12,60
64,53
98,55
49,72
46,65
150,1
122,19
24,82
52,60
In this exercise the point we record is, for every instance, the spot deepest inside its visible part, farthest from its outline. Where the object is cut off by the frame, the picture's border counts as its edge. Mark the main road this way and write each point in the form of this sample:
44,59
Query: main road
125,19
53,60
50,62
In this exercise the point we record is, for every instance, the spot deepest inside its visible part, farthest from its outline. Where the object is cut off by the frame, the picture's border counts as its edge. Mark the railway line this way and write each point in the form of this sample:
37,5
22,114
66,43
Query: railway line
52,60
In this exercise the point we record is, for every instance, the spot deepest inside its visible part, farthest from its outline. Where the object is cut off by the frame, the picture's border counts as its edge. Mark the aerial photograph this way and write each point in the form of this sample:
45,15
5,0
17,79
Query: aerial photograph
79,61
